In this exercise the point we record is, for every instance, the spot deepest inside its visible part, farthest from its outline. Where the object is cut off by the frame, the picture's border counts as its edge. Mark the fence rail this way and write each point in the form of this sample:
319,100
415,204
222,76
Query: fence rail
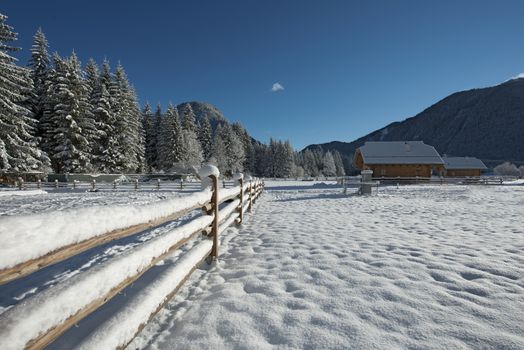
221,207
471,180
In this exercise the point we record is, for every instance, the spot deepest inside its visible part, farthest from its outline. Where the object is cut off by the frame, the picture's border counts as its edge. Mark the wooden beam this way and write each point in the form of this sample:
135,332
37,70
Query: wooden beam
49,336
63,253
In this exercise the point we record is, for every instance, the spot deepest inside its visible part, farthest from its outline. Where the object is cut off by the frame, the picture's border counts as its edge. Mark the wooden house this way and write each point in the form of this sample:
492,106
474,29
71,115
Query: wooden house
462,166
399,159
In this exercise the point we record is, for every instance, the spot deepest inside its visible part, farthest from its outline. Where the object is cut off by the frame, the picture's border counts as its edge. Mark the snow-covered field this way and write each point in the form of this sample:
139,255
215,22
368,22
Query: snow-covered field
409,267
414,267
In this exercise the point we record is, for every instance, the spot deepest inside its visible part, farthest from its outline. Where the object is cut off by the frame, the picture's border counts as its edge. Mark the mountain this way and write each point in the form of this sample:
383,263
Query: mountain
201,110
486,123
204,109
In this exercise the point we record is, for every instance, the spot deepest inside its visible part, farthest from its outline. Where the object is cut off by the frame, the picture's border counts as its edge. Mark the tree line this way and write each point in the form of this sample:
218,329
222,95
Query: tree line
59,116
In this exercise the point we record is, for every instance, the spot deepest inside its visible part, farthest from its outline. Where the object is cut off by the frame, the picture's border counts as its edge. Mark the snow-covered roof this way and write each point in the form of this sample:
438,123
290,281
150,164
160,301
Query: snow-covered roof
463,163
399,152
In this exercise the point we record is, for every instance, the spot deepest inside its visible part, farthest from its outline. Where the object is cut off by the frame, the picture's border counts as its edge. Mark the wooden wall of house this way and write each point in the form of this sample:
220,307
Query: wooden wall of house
358,162
462,172
402,170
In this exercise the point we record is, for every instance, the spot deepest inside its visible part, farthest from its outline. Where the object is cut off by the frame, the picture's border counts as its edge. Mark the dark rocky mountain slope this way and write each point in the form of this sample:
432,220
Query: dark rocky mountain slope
486,123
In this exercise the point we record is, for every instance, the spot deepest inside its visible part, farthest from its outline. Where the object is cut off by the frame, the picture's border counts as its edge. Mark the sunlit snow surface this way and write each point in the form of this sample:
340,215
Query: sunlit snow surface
414,267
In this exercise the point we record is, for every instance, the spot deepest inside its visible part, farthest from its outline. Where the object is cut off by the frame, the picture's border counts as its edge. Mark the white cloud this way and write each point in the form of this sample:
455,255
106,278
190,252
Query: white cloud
277,87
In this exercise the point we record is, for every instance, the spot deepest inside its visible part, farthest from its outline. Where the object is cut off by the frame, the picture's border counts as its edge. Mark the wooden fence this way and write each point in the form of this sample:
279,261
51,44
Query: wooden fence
223,208
472,180
135,185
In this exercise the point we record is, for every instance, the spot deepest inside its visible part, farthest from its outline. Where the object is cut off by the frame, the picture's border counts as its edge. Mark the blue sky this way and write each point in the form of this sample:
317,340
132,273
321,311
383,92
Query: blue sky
307,71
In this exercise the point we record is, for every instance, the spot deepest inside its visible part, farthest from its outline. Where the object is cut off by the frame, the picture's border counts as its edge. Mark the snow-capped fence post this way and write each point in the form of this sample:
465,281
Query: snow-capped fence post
39,184
158,184
93,185
136,184
240,178
250,195
181,183
114,184
214,229
209,176
56,183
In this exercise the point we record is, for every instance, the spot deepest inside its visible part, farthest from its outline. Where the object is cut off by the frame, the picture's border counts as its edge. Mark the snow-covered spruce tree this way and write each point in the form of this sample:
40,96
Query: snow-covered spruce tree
68,121
506,169
339,164
18,146
39,64
261,152
310,165
205,136
189,119
139,146
127,121
192,150
106,153
329,168
281,159
169,142
150,137
228,151
192,155
105,74
152,130
92,75
243,135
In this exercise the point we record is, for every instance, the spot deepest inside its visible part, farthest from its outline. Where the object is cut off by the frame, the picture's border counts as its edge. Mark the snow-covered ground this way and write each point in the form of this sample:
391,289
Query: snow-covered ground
423,266
415,267
15,202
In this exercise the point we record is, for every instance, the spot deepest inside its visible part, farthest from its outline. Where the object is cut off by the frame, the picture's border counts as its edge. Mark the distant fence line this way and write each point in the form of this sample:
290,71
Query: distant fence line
222,208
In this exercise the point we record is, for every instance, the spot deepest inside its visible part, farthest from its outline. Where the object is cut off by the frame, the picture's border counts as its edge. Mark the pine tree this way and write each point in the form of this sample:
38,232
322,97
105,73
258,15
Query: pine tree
152,130
127,121
262,159
39,64
189,119
68,122
148,125
329,167
205,136
243,135
339,163
18,146
92,76
228,151
192,155
310,165
106,152
169,142
192,150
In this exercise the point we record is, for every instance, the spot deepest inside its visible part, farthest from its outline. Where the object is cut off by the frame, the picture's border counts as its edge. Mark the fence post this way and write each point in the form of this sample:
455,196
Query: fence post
56,183
20,183
214,227
250,195
209,176
158,184
39,184
181,183
240,178
114,184
136,184
93,185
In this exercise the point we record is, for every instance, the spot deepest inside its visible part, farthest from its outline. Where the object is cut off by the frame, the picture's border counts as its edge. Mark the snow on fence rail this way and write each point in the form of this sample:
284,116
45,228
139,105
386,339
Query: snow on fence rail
38,320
